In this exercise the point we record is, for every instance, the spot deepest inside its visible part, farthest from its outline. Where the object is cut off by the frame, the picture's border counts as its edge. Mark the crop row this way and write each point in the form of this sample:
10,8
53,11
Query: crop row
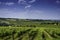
29,34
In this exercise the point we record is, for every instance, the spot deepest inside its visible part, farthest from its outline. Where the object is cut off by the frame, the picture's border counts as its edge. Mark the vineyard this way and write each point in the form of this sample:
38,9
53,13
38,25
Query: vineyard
29,29
29,33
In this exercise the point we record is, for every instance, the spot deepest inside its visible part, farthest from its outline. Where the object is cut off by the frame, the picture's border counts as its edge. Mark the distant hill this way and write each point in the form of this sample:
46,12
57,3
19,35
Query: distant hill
25,22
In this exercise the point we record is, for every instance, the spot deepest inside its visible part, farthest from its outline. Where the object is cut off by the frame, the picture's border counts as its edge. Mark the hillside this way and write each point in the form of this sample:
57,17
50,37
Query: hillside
29,29
27,22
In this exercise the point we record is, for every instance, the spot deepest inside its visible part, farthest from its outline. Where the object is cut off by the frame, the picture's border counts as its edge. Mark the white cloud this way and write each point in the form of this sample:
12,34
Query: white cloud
28,6
25,3
58,1
13,13
22,2
9,3
32,1
19,1
0,2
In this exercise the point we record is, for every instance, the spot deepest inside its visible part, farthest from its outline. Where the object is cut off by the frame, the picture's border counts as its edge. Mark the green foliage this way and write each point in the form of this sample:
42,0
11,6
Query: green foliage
13,22
31,33
29,29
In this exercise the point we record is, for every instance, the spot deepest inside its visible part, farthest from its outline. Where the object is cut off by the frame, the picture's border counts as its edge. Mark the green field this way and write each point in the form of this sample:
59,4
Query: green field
24,29
29,33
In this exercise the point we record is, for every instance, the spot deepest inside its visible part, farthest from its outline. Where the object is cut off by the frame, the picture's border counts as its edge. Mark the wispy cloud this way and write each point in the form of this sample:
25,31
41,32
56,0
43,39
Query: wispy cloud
7,3
28,6
24,2
13,13
0,2
58,1
32,1
19,1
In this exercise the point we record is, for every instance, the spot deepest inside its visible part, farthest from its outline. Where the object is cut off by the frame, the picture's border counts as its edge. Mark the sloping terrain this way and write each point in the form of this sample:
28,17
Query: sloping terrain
29,29
24,33
28,22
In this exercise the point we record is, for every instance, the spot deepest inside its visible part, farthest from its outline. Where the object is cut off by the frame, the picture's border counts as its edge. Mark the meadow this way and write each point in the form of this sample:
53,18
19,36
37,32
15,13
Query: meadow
17,29
29,33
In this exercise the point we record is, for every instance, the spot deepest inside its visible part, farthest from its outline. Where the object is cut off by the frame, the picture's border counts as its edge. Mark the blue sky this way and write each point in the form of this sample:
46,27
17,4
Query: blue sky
30,9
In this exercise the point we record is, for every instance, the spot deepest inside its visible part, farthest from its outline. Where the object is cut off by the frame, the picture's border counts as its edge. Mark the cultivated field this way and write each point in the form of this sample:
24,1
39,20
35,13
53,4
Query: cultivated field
29,29
29,33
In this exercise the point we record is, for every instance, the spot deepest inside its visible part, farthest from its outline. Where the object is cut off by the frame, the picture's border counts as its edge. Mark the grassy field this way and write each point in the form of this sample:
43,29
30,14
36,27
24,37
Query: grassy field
29,29
29,33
